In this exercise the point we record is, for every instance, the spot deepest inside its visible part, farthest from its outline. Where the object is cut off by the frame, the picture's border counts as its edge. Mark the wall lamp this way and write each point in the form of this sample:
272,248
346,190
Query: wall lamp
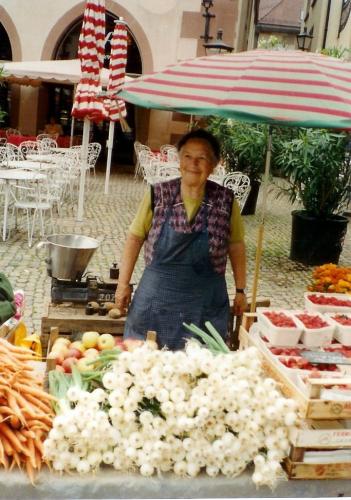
218,45
304,40
207,4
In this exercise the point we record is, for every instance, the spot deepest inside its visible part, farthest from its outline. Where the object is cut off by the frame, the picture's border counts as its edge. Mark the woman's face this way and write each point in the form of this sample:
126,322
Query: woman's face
197,162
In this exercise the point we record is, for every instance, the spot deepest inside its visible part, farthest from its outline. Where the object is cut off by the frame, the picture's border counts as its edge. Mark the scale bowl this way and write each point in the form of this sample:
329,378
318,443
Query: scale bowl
68,255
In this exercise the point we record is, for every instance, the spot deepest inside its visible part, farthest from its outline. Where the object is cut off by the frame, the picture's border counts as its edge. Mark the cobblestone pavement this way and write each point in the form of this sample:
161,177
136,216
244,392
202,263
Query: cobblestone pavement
107,219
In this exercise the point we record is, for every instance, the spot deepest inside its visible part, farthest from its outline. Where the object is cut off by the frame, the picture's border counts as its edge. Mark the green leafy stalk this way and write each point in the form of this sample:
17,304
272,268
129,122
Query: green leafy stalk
212,344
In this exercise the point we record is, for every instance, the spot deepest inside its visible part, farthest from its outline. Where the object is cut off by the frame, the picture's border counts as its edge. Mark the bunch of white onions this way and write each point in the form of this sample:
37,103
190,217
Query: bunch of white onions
189,410
82,437
182,411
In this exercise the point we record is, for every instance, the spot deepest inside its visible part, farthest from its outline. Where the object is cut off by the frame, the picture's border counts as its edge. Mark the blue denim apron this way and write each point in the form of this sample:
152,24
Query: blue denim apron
180,285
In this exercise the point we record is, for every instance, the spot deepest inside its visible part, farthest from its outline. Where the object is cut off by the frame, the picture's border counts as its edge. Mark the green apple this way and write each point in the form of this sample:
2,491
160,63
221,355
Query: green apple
84,364
105,341
77,344
89,339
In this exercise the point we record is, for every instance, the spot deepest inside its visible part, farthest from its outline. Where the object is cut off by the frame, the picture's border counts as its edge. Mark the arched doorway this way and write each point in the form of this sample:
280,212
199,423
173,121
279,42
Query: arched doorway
60,97
5,97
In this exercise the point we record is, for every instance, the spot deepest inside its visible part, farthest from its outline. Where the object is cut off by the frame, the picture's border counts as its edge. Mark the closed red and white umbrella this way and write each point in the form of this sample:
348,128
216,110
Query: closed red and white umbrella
116,108
87,103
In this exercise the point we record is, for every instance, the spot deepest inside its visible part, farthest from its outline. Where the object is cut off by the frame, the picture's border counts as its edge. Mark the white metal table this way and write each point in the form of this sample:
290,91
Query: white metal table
13,174
29,165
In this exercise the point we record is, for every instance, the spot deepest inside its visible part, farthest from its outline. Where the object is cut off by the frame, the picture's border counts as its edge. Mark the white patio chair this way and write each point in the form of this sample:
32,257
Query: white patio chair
218,174
148,165
46,145
164,171
29,148
168,152
40,137
13,152
138,148
12,131
33,198
239,183
94,150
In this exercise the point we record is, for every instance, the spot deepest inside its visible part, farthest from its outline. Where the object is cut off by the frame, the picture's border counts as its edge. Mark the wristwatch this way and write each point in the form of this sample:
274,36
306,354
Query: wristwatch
240,290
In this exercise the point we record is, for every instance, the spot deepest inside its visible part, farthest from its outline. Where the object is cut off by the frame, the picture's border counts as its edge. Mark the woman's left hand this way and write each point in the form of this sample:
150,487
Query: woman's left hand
240,304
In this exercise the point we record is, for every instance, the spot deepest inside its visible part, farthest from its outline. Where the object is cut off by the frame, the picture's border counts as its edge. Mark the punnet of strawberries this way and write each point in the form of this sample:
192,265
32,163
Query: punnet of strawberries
342,319
324,300
312,321
280,319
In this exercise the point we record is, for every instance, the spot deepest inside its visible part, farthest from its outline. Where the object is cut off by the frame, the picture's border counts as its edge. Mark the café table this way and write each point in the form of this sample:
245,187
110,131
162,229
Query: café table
42,158
28,165
15,174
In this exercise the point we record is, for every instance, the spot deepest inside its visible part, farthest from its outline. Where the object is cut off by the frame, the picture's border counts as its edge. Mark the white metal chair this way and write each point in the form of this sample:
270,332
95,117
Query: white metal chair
94,149
46,144
138,148
40,137
169,152
13,152
218,174
164,171
12,131
239,183
33,198
29,148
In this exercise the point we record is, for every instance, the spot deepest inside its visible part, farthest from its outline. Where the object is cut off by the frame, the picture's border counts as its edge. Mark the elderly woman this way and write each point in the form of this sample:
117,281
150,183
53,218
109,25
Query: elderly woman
188,227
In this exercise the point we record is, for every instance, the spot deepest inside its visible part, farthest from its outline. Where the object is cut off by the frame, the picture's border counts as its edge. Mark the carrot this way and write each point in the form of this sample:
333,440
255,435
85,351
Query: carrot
13,439
6,445
30,471
31,449
39,393
45,407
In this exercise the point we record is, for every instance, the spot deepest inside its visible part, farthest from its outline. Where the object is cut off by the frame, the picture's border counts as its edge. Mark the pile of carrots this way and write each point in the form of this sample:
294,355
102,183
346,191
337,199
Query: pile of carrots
25,411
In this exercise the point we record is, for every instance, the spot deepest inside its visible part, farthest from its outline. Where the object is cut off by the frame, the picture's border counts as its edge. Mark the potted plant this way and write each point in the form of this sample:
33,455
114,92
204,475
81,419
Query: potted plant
316,167
243,147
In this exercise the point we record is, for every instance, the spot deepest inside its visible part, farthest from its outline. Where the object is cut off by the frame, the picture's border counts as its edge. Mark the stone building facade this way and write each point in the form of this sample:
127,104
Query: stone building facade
162,31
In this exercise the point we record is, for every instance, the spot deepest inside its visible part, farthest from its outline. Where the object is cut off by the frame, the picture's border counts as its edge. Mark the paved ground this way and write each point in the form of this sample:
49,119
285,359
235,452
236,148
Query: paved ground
107,219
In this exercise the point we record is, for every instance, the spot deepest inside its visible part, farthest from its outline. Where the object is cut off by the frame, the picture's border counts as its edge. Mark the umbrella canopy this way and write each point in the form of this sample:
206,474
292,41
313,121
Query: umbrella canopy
116,108
276,87
87,104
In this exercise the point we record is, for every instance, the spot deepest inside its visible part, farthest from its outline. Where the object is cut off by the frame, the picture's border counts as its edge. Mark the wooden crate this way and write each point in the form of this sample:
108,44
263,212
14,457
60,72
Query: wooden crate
309,405
71,319
319,435
301,470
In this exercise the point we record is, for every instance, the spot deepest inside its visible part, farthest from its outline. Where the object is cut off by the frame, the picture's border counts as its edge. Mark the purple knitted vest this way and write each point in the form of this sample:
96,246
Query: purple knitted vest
220,201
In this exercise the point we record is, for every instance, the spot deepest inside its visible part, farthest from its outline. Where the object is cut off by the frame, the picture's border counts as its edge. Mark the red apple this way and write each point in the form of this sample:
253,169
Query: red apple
74,353
68,363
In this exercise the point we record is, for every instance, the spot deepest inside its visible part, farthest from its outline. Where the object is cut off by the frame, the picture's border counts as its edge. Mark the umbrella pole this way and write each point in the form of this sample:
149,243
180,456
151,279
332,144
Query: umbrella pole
111,133
261,227
83,167
72,133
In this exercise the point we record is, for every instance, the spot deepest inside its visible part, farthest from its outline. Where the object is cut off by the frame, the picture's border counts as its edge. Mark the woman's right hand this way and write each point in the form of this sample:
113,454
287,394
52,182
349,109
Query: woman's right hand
123,297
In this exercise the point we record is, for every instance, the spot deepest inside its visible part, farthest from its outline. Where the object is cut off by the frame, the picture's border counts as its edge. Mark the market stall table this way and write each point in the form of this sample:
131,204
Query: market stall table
14,174
108,483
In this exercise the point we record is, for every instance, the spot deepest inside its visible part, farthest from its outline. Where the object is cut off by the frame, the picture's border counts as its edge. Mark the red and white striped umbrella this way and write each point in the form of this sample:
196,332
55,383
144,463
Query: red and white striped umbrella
264,86
283,87
91,52
87,103
116,108
118,59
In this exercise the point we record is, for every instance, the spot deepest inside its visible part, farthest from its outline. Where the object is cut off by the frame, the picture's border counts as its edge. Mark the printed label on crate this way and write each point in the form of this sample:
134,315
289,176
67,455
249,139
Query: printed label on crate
321,438
326,357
